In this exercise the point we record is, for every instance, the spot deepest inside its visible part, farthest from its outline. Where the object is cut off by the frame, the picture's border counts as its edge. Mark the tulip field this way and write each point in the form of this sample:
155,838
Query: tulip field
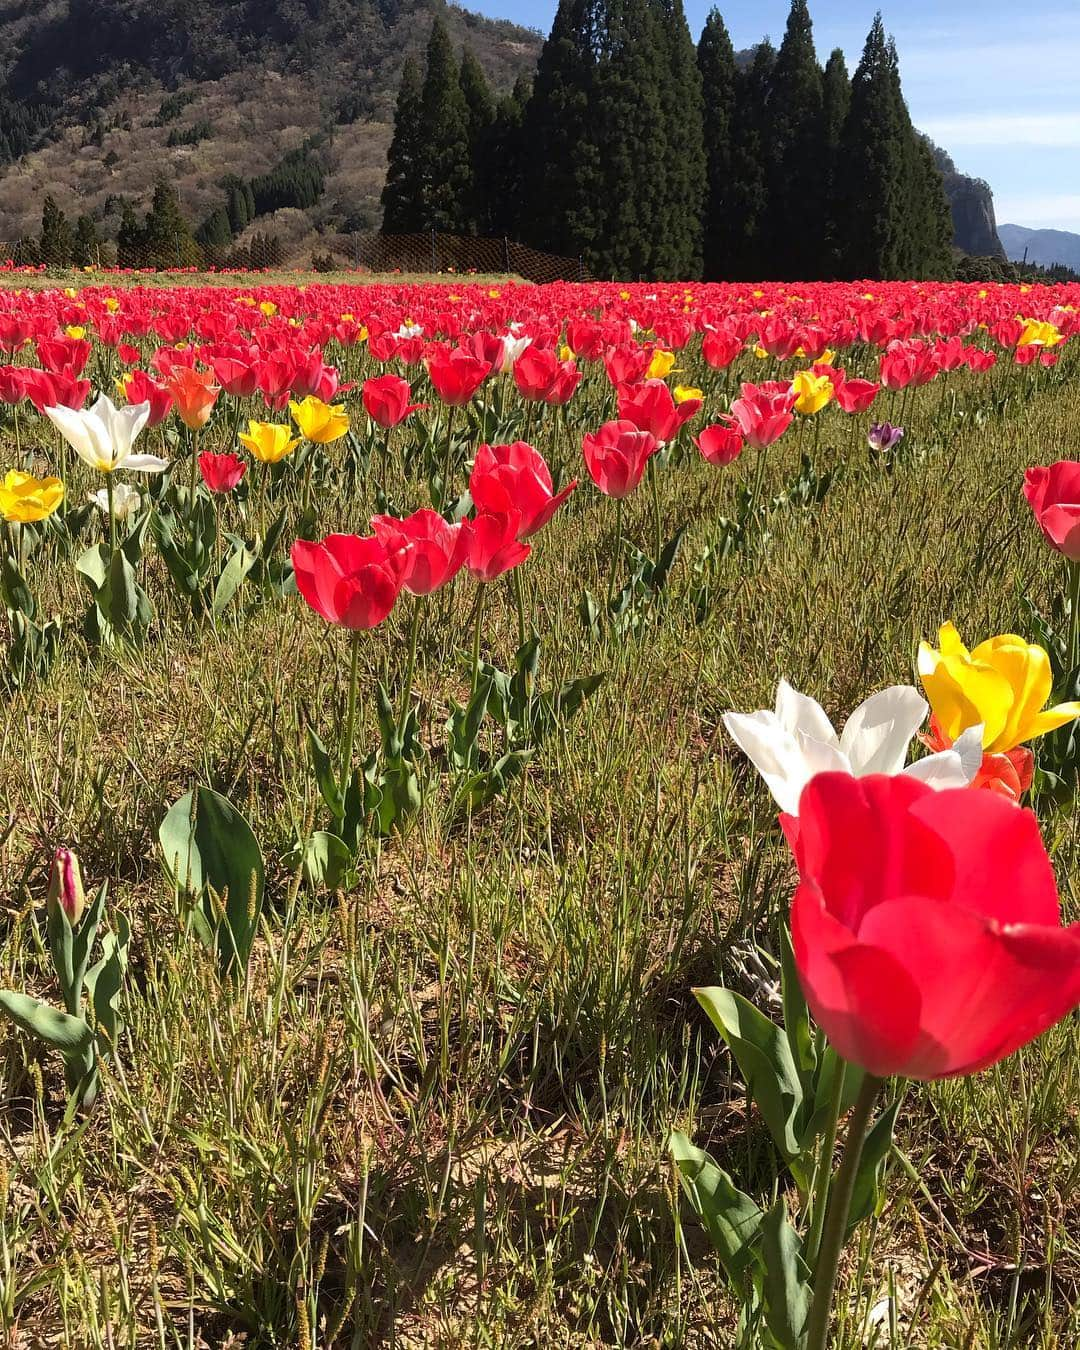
539,815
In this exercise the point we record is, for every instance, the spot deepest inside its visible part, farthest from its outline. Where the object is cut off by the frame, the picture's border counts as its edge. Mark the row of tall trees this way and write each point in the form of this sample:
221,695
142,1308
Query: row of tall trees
650,157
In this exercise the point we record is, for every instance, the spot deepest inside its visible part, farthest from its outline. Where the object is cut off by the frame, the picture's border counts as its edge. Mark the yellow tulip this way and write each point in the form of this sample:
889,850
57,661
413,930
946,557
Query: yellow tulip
112,304
683,393
1038,334
25,499
268,308
1002,684
661,365
565,353
320,422
269,442
75,332
814,392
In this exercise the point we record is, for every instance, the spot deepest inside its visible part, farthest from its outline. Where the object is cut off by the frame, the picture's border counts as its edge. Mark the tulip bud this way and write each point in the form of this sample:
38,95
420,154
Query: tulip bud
66,887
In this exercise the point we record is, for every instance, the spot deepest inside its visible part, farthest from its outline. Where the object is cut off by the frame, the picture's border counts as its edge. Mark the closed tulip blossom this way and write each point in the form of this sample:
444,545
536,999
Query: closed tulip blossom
1054,496
791,744
883,437
66,886
651,407
221,473
322,423
24,499
386,400
269,442
926,926
763,415
1002,685
103,435
720,444
616,457
516,478
455,375
194,394
351,582
493,544
856,396
434,548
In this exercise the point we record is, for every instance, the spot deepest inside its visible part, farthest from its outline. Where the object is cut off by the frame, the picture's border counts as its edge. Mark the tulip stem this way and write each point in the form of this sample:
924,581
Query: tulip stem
819,1196
615,553
406,693
832,1242
520,599
194,468
112,514
1074,617
654,476
449,458
476,639
350,717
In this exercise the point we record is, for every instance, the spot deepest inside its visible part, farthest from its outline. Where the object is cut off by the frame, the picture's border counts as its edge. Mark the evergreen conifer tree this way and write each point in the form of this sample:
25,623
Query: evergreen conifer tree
678,228
167,239
836,102
445,166
56,246
748,181
794,218
507,170
716,63
86,242
480,110
402,193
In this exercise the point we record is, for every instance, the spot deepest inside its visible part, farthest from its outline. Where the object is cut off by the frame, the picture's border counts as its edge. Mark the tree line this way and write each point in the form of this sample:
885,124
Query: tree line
648,156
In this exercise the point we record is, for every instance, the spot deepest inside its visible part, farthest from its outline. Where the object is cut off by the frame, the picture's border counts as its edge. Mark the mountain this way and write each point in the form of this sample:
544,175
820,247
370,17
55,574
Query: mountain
99,98
975,229
1045,247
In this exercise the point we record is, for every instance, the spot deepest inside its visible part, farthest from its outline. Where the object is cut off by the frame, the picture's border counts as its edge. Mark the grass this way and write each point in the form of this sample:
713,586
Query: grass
434,1113
80,279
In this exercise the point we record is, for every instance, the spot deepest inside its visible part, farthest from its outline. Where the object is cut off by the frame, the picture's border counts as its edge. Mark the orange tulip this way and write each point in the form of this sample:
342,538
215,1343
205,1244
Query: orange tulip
194,393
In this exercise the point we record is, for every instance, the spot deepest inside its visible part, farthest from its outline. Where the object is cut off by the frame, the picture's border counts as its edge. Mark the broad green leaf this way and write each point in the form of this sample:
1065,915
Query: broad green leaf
872,1162
70,1035
786,1286
731,1217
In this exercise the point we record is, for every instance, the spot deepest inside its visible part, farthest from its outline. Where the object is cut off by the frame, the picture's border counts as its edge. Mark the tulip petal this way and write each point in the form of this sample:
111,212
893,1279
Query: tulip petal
880,730
144,464
773,752
1051,719
799,712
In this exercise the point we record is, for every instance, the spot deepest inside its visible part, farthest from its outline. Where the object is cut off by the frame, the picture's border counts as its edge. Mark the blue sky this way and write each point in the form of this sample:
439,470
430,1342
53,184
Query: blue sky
993,81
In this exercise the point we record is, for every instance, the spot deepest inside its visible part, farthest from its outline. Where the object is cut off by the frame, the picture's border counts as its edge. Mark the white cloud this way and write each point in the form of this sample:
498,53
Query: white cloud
1059,130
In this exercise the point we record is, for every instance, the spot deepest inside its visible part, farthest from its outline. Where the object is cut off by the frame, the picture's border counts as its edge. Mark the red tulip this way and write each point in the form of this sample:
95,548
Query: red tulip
455,375
720,348
348,580
434,549
516,478
140,388
238,379
386,400
720,444
492,544
535,371
221,473
12,385
54,391
855,396
1054,496
651,407
627,364
14,332
616,456
763,414
925,925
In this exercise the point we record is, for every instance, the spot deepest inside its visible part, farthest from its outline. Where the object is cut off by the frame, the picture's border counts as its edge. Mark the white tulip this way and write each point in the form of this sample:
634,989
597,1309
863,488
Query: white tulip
512,349
791,745
127,501
103,435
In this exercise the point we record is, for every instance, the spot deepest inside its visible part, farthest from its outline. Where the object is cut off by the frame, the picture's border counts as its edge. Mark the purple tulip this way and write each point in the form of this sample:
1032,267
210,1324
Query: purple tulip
885,437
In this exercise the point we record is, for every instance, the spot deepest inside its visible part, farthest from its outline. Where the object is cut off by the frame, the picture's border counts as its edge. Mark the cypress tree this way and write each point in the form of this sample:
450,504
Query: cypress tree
56,245
129,239
794,221
716,62
870,172
631,140
167,240
678,229
836,102
748,183
564,201
506,175
480,111
402,193
934,260
443,157
86,242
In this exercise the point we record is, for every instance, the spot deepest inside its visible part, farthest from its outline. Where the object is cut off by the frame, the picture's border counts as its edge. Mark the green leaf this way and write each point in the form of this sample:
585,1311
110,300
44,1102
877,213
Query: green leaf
121,604
325,860
104,982
872,1162
207,844
13,588
325,776
731,1218
796,1014
70,1035
823,1086
786,1288
233,576
764,1057
94,566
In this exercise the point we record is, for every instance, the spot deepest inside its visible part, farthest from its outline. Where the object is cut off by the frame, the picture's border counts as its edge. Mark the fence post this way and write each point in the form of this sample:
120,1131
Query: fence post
580,268
434,258
506,253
